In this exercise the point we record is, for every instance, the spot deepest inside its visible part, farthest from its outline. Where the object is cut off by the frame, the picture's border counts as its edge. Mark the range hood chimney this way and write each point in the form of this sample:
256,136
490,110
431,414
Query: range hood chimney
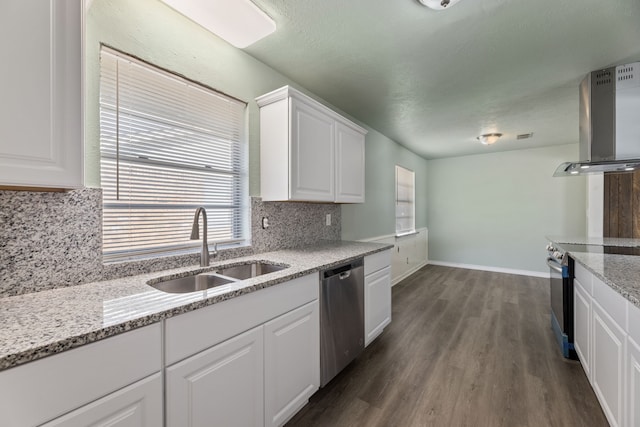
609,122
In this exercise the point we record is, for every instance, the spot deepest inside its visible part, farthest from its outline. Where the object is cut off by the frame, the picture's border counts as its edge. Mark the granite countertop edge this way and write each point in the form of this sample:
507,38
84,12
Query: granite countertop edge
40,348
633,295
620,272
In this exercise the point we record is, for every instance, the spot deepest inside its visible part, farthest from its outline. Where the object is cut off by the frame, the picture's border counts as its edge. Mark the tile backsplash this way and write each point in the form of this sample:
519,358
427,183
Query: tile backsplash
50,240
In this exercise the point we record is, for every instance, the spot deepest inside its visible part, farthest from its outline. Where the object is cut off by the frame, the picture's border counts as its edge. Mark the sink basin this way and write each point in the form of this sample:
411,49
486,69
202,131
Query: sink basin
220,277
200,282
247,271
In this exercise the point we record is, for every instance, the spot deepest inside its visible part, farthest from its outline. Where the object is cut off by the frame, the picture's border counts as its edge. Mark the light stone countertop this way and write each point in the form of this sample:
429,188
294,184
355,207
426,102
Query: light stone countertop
36,325
620,272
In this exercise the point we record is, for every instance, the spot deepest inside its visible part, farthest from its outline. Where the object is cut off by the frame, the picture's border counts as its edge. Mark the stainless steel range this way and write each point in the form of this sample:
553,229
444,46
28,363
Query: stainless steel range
561,286
561,289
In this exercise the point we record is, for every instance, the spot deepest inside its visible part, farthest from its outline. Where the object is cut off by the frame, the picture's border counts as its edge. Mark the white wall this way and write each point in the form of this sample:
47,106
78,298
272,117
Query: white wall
494,210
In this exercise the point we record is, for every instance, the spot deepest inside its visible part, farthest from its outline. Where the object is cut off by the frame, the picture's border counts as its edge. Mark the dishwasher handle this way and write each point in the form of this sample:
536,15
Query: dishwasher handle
344,275
343,271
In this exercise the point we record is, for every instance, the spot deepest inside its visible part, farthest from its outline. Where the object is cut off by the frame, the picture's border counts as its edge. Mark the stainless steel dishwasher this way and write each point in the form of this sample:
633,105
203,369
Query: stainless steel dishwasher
341,318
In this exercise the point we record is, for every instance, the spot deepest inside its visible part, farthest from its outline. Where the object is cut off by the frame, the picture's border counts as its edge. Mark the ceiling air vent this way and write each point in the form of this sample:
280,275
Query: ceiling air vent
525,136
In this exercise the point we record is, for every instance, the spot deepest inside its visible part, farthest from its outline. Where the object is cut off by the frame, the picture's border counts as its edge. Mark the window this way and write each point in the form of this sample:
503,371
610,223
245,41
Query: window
405,201
167,146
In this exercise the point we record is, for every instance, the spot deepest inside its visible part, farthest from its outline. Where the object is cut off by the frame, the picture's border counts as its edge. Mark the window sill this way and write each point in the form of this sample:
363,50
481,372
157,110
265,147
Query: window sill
407,233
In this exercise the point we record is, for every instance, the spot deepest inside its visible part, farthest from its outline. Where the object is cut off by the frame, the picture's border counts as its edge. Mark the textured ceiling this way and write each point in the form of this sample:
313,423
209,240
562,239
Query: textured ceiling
434,81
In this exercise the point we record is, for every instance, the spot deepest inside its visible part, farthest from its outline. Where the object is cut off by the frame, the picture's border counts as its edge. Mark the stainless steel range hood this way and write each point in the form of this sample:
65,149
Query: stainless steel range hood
609,122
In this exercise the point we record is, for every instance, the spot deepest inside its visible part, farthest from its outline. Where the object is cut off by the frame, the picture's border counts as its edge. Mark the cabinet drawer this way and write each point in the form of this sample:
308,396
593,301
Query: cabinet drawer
584,276
42,390
377,261
195,331
614,304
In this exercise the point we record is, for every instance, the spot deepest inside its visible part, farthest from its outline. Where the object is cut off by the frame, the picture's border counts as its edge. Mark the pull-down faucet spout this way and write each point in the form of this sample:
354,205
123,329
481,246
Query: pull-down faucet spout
195,235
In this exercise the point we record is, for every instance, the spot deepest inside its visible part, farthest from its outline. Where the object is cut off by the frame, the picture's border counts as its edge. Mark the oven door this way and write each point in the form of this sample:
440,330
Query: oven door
561,290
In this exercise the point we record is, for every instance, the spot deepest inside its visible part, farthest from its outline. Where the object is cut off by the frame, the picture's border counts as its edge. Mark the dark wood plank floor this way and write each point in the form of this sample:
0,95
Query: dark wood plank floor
465,348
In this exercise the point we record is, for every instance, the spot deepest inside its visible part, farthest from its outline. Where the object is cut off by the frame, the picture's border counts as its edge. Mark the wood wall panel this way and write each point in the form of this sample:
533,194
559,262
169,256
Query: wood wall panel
636,204
622,205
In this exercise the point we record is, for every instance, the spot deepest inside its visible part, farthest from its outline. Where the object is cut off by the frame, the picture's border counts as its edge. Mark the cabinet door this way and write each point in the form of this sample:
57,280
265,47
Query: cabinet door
312,154
349,165
292,362
377,303
139,405
40,83
608,364
582,326
633,383
221,386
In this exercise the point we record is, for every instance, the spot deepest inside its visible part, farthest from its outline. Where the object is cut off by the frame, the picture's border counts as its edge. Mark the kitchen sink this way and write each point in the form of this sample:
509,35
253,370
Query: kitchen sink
200,282
220,277
247,271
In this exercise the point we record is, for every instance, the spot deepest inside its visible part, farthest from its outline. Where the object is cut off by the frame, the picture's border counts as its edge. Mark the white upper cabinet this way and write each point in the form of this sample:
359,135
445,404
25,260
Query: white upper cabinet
312,148
307,151
41,91
349,165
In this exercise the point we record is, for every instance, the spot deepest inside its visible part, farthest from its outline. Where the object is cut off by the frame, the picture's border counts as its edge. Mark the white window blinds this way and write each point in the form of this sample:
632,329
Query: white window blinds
167,146
405,201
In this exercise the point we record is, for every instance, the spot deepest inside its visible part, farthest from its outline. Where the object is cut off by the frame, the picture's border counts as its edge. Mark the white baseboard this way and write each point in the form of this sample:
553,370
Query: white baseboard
408,273
544,275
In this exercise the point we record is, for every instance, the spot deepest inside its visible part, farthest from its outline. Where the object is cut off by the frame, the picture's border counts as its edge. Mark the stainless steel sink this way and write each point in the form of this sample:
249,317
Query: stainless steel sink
220,277
247,271
200,282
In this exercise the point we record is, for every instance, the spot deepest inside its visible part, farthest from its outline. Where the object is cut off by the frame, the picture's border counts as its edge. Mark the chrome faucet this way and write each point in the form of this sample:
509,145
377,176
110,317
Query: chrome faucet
195,235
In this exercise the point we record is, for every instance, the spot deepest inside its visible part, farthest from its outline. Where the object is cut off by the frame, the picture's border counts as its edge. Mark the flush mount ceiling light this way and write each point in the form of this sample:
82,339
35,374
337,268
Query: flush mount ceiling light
489,138
438,4
239,22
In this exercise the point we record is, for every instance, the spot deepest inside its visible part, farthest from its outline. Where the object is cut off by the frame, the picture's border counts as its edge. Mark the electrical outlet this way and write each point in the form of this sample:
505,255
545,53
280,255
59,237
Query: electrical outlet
328,220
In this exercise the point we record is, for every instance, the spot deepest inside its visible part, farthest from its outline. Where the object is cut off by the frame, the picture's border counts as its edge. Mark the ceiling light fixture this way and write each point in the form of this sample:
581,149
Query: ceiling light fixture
489,138
239,22
438,4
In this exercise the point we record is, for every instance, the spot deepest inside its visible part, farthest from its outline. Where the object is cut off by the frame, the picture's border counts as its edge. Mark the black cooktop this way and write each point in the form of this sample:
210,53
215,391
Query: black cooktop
603,249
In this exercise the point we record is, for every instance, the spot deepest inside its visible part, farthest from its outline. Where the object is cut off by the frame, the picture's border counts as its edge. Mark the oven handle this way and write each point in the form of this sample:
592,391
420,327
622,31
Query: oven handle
553,264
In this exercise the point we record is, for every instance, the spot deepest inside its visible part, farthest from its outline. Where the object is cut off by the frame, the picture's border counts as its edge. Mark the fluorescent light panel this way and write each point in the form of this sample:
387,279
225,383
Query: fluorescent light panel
239,22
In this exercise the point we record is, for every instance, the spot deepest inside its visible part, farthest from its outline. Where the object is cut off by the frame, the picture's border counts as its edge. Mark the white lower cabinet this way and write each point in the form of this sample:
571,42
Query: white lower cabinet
138,405
221,386
291,362
377,303
633,383
249,361
253,360
608,364
582,325
377,294
606,328
260,377
114,381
